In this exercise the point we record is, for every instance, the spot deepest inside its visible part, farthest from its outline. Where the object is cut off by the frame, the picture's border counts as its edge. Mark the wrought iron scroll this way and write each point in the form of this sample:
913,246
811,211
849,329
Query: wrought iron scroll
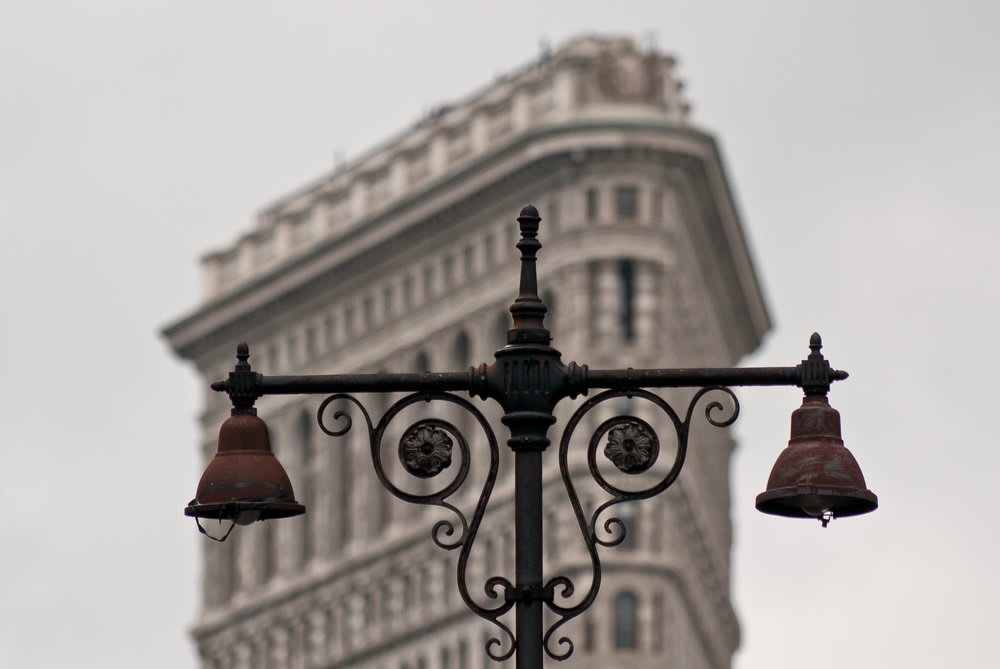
633,447
425,450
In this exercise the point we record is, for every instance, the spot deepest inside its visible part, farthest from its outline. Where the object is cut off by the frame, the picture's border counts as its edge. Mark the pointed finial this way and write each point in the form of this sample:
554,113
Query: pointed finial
243,355
815,369
528,220
528,310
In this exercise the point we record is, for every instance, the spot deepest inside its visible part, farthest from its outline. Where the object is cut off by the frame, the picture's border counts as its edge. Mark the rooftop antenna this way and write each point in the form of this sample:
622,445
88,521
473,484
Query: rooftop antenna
545,48
650,39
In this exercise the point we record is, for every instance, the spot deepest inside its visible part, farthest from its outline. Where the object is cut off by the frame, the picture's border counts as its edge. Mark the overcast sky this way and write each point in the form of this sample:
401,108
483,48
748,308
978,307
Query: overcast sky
861,141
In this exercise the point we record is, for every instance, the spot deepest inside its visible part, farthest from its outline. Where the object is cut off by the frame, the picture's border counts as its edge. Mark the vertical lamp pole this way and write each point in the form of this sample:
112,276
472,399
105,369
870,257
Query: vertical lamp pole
815,477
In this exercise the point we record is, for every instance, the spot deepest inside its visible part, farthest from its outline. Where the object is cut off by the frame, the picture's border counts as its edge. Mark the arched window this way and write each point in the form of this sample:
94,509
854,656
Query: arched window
626,619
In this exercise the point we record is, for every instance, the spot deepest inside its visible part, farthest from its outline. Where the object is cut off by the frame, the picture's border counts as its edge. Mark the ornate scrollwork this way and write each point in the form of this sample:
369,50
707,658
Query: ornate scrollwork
633,447
425,450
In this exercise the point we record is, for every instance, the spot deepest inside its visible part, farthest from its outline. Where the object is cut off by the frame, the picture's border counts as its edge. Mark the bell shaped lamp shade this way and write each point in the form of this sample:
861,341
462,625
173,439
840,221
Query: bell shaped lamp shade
816,476
244,482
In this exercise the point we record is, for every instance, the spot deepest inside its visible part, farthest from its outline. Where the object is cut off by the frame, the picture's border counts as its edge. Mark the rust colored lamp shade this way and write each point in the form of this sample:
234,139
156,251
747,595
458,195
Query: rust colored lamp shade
816,476
244,482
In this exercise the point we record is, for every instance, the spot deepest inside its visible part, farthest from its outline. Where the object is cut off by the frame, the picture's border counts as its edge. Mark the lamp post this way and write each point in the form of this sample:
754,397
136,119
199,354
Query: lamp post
815,477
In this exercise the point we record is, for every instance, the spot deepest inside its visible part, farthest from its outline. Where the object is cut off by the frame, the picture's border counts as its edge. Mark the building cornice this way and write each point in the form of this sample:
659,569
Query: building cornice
516,167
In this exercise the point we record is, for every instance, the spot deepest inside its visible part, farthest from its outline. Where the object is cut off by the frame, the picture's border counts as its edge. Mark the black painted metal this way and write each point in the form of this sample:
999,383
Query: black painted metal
528,379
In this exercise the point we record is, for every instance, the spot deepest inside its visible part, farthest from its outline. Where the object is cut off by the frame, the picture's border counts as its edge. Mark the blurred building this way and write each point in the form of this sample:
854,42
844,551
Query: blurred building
404,260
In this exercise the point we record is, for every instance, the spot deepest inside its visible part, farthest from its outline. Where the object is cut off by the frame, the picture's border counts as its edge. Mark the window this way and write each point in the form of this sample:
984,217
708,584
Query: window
592,204
551,534
387,301
346,631
421,363
553,215
502,325
627,202
549,299
268,556
626,609
310,342
369,609
272,359
330,632
428,282
369,309
293,350
588,633
627,513
329,331
426,587
408,291
407,593
446,581
469,256
385,601
460,351
308,495
659,613
490,563
489,243
349,321
626,300
344,476
449,269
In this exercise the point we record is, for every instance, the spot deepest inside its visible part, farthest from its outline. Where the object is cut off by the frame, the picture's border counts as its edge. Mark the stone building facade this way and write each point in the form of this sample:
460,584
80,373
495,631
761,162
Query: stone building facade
405,261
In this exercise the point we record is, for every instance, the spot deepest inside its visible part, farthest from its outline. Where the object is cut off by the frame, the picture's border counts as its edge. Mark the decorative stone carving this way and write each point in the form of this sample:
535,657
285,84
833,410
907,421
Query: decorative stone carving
627,77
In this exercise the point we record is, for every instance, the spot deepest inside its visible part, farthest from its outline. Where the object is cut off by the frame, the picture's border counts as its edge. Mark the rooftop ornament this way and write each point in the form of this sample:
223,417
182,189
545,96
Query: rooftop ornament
814,477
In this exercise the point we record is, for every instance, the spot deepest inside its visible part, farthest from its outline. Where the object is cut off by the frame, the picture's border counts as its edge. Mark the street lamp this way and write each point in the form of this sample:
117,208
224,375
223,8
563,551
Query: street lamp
814,477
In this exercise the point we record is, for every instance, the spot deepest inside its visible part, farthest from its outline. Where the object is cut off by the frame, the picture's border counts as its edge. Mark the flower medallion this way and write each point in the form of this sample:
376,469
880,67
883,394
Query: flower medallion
425,451
632,447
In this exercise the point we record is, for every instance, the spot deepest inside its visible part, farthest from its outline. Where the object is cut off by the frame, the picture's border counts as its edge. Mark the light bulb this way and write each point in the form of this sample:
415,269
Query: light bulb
817,506
247,517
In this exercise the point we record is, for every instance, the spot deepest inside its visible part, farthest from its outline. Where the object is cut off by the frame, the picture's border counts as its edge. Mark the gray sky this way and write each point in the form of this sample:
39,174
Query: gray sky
860,138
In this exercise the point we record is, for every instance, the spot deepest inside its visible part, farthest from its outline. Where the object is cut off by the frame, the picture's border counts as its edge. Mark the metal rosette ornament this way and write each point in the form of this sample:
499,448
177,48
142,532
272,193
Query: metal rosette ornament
633,447
425,450
632,444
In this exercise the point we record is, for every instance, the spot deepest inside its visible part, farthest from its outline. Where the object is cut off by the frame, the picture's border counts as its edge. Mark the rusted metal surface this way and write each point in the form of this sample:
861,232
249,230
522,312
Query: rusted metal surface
244,482
816,476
